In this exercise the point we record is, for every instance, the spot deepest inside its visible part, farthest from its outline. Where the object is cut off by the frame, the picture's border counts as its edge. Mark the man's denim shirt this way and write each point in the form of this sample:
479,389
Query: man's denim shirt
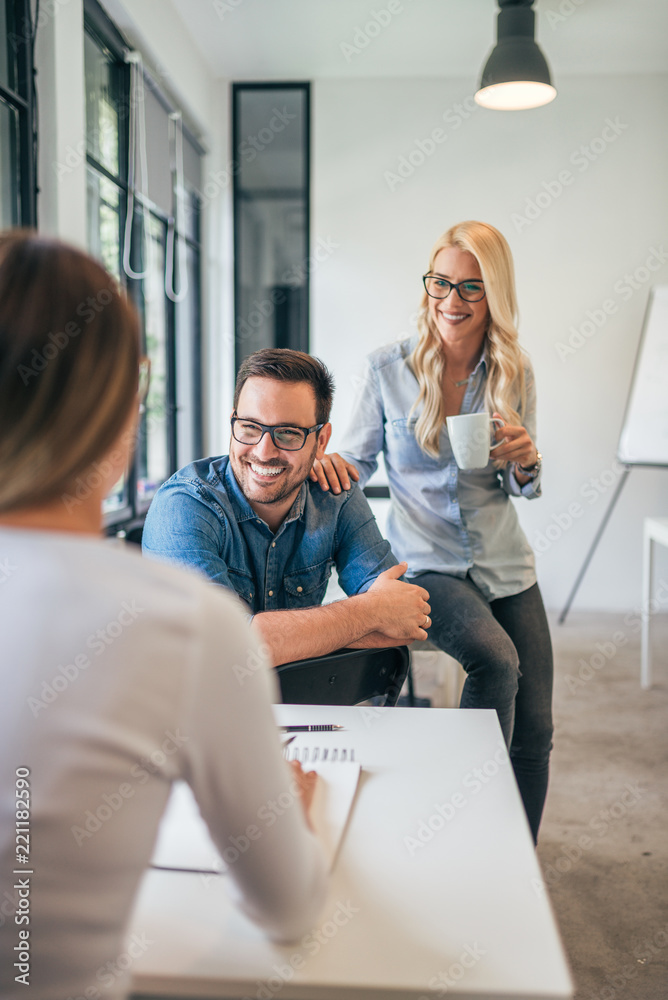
200,518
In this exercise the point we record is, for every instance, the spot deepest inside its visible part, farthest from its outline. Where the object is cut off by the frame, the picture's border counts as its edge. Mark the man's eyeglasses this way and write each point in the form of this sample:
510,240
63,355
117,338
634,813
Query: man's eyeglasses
285,437
440,288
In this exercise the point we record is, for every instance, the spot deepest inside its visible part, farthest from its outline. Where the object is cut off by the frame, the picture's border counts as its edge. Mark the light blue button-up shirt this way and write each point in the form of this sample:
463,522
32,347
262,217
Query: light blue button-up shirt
442,518
200,518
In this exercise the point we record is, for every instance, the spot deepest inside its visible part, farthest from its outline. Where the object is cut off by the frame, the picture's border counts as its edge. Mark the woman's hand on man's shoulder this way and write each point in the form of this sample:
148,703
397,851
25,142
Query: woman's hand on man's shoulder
333,472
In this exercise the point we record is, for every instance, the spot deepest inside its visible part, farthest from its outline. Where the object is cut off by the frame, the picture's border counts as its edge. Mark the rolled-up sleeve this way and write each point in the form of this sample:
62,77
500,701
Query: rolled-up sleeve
532,489
361,552
365,434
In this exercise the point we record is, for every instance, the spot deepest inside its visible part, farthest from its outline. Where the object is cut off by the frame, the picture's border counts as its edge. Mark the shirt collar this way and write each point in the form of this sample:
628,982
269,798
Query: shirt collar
242,509
296,512
482,360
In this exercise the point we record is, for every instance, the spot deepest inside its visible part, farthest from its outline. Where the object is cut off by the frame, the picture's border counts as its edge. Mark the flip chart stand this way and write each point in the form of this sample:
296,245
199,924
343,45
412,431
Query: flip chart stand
594,544
643,439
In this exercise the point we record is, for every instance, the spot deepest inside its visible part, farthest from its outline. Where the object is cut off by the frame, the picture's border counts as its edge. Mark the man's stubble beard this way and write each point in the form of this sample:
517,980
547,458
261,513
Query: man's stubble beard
243,475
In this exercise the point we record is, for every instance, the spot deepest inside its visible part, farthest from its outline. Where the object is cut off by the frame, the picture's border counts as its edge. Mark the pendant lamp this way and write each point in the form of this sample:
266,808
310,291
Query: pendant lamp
516,75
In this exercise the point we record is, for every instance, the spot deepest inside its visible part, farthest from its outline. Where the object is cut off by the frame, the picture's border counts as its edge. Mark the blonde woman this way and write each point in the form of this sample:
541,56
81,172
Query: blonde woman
458,530
116,672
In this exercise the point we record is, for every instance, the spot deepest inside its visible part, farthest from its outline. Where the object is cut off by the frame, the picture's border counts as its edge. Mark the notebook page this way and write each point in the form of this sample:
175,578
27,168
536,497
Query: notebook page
184,842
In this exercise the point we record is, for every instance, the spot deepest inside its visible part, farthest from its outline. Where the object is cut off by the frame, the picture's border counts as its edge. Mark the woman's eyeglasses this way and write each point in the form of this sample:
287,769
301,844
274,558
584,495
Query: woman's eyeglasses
440,288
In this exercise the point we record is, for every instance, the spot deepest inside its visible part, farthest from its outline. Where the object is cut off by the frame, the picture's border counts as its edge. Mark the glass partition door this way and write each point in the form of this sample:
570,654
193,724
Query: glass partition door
271,216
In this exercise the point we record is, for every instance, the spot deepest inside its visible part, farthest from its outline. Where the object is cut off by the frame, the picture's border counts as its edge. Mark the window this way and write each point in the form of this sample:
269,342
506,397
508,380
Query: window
17,116
271,216
144,172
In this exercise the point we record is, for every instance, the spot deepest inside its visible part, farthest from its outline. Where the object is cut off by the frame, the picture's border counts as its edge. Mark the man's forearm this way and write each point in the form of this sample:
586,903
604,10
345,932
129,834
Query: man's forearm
301,634
378,640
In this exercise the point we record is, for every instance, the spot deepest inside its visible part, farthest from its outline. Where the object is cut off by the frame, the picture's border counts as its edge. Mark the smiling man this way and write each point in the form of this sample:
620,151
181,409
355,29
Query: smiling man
253,522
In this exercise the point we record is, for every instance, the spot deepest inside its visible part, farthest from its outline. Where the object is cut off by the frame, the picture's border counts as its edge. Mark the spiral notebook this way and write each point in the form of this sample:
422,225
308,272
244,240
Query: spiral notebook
184,842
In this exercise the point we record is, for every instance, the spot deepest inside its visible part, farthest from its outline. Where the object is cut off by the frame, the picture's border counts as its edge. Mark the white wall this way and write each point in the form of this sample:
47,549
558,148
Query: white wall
571,260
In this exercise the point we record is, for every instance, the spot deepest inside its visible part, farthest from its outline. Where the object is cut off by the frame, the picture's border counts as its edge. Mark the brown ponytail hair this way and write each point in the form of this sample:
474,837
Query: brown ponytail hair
69,361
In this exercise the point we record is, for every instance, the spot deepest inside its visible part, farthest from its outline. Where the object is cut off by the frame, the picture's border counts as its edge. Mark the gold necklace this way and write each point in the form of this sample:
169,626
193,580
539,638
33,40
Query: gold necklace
463,381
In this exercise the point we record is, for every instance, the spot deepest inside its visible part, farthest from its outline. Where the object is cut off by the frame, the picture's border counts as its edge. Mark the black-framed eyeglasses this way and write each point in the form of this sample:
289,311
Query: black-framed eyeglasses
440,288
284,436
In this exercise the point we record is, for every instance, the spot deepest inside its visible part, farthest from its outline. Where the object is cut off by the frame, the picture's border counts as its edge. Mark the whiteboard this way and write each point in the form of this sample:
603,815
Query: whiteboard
644,436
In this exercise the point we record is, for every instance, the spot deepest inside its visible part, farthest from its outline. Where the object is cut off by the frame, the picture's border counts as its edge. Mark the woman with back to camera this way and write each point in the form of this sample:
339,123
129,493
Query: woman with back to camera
117,673
458,530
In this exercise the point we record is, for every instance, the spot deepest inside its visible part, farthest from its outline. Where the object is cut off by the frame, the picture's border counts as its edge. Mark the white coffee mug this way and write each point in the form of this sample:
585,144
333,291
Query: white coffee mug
471,438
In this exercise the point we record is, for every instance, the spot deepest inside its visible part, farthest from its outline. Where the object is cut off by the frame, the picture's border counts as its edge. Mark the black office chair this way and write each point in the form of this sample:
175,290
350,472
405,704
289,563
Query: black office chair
132,532
347,677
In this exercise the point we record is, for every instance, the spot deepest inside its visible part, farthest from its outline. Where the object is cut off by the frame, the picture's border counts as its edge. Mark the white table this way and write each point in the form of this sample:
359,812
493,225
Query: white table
465,916
655,531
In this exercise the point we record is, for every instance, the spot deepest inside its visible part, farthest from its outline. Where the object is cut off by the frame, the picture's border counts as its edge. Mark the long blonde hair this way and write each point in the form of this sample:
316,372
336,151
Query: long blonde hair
69,363
505,368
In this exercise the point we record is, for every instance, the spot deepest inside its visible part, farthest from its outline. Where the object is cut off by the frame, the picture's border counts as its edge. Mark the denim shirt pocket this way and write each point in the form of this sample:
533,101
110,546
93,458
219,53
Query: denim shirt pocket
243,585
306,587
404,451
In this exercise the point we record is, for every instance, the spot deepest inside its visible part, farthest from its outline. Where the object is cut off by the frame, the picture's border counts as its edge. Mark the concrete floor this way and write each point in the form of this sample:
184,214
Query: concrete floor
604,841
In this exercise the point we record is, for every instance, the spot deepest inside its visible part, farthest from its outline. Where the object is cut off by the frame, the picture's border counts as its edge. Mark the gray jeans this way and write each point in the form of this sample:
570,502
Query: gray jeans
505,648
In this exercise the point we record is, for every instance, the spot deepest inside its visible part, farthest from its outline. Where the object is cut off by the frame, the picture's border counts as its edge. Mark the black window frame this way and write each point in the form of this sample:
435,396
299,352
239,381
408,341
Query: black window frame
237,89
130,517
23,101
